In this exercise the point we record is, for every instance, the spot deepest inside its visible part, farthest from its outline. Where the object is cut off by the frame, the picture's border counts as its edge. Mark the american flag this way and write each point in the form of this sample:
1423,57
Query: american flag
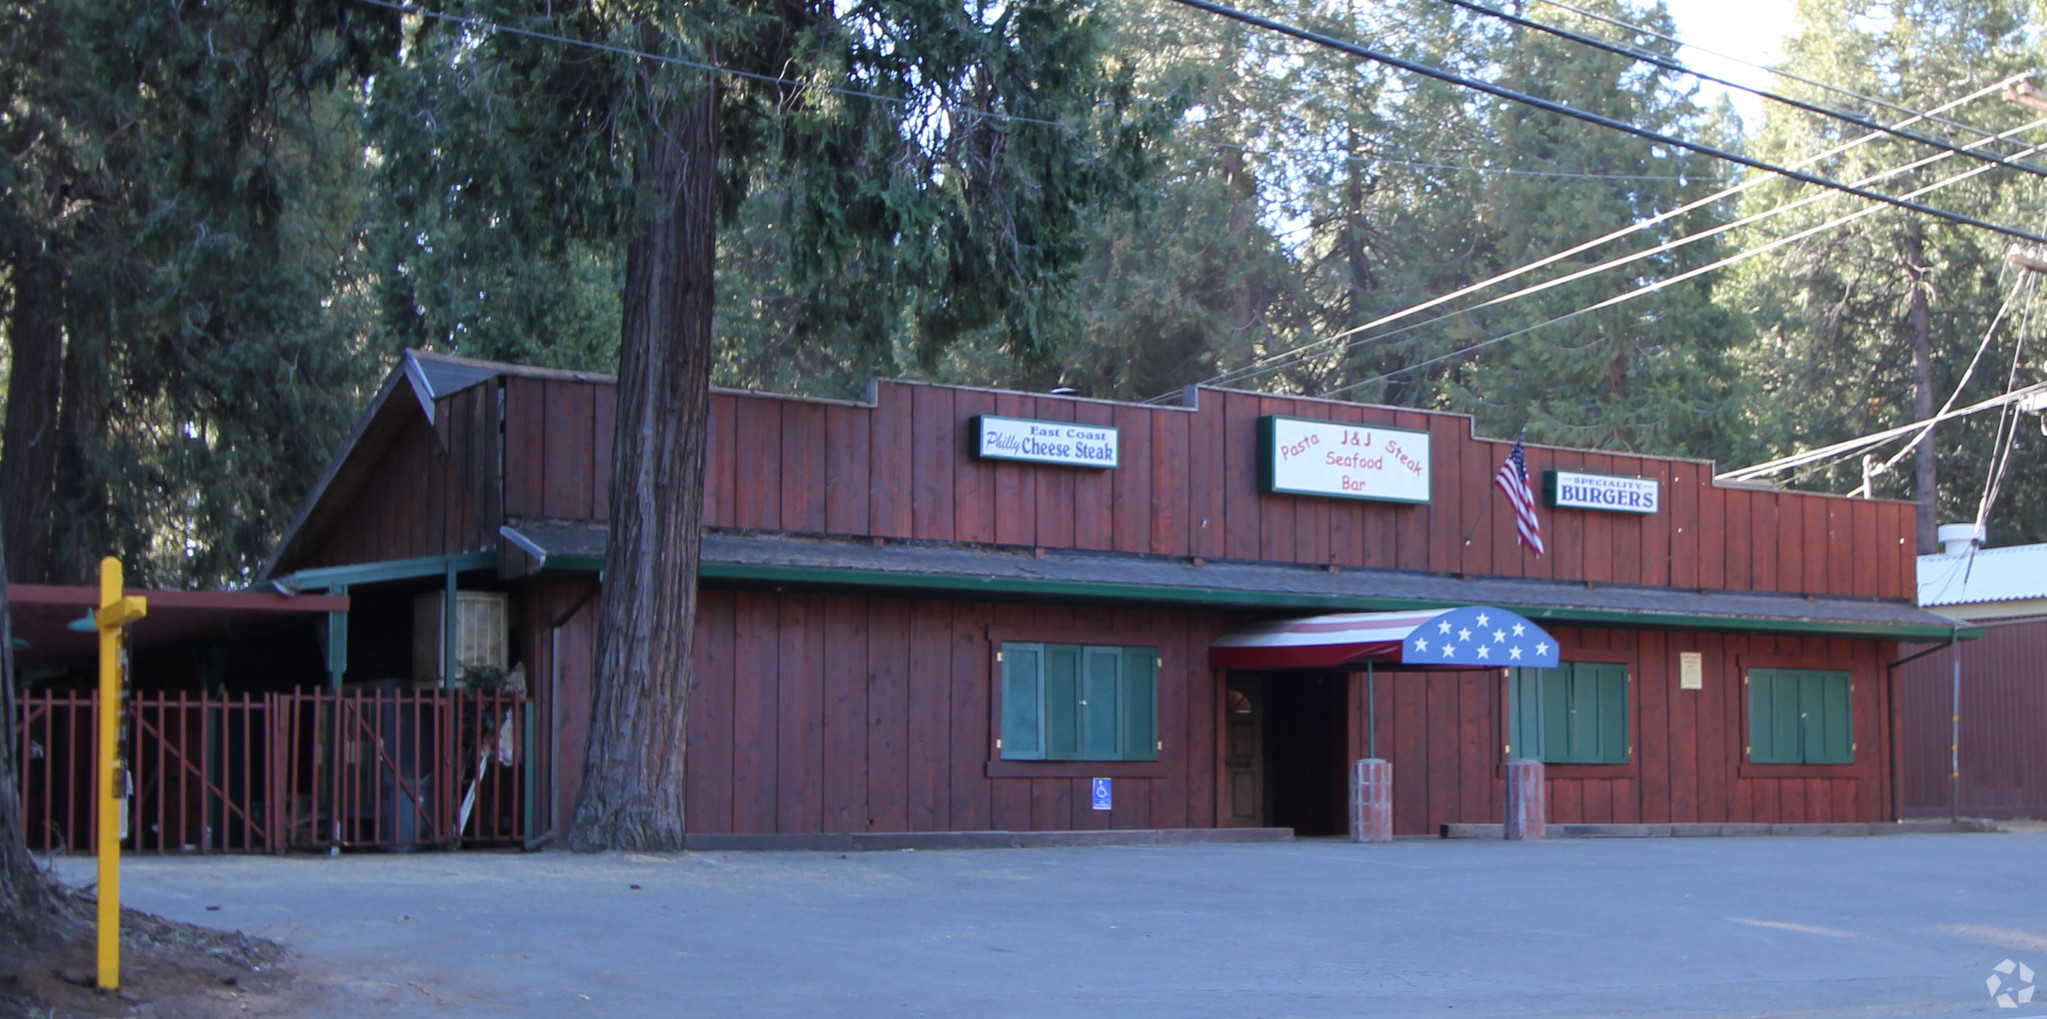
1513,479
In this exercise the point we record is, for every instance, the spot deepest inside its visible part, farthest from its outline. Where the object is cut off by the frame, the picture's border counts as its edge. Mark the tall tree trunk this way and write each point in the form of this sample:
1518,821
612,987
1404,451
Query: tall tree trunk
79,533
28,440
24,891
1924,481
632,795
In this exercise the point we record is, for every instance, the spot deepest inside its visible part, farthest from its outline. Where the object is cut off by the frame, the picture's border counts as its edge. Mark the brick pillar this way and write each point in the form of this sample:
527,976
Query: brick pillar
1371,801
1527,804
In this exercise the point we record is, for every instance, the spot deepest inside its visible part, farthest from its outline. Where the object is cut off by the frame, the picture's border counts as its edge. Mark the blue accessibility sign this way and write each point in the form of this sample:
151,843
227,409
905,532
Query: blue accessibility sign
1102,794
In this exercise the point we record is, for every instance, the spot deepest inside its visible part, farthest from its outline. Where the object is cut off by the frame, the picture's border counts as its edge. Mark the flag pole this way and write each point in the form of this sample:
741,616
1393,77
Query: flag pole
1490,490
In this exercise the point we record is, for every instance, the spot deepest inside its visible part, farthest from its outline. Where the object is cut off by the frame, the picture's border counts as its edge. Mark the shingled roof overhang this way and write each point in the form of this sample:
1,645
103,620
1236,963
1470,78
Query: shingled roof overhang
861,566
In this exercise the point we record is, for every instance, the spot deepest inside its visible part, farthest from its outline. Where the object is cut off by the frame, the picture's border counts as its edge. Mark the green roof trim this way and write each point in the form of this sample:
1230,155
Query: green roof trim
395,569
1241,599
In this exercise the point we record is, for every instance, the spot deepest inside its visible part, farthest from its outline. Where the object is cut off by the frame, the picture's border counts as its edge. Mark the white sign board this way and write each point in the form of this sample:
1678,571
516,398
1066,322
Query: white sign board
1573,490
1045,442
1691,670
1300,456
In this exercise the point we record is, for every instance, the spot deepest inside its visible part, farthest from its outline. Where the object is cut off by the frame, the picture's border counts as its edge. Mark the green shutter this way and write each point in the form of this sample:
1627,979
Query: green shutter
1140,704
1023,730
1611,681
1583,681
1062,702
1524,715
1773,724
1556,714
1829,727
1101,689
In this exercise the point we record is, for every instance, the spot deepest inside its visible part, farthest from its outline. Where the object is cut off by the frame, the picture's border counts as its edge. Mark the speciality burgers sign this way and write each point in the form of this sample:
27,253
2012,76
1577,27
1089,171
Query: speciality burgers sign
1610,492
1300,456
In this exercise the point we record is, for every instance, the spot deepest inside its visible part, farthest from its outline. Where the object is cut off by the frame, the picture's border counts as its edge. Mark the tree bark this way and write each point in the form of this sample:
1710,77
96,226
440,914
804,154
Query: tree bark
633,791
1924,481
25,893
28,440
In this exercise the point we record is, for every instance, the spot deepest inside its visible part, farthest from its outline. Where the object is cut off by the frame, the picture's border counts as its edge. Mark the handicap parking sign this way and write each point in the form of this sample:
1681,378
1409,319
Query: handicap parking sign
1101,794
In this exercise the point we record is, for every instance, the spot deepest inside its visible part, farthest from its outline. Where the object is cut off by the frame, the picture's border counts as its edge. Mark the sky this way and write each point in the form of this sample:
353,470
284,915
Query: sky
1751,30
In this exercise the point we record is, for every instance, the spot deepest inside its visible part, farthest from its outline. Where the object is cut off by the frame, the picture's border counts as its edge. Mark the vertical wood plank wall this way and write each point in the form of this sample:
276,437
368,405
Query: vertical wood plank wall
2003,759
825,713
1186,486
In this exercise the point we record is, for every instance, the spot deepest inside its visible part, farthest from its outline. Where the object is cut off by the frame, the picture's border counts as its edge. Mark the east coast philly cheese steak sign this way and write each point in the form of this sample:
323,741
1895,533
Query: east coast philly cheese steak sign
1299,456
1044,442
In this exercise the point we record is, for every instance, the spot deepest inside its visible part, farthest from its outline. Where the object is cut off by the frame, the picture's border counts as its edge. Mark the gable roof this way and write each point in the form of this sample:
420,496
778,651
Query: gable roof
427,377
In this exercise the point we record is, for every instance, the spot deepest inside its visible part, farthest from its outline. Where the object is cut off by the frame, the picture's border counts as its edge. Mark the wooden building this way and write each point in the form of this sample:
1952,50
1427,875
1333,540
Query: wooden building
1973,714
880,576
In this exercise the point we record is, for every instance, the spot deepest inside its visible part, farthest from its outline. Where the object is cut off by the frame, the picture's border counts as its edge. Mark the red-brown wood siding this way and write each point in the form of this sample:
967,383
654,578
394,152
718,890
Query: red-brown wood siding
2003,760
1187,485
881,722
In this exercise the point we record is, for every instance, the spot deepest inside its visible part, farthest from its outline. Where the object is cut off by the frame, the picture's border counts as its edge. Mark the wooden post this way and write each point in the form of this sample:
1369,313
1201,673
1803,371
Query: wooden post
112,619
1527,805
1371,800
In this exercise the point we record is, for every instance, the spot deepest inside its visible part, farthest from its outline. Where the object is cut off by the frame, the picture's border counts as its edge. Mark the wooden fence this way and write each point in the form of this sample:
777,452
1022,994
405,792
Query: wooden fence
308,770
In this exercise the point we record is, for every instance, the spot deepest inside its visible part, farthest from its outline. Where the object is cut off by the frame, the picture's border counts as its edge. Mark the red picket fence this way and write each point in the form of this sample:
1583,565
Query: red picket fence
269,773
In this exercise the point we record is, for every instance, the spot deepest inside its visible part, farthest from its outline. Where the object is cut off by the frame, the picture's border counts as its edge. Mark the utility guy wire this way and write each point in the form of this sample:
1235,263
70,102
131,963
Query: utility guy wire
1668,64
1552,106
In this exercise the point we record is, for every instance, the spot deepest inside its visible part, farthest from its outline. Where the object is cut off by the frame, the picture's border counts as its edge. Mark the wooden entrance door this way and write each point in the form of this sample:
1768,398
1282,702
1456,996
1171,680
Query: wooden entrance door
1243,753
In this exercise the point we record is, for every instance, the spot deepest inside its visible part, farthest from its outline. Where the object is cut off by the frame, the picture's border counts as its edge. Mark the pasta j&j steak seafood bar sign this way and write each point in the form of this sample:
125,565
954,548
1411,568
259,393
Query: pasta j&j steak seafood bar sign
1574,490
1299,456
1044,442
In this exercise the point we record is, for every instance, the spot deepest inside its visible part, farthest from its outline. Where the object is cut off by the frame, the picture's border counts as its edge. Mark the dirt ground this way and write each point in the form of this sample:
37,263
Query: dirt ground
169,970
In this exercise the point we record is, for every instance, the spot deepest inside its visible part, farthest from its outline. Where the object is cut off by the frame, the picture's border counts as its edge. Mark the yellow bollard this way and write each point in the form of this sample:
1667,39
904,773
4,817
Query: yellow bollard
115,613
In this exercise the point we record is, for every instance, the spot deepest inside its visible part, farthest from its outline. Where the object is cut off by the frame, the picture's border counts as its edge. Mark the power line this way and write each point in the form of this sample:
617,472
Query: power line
480,23
1668,64
1661,284
1265,364
493,26
1552,106
1779,72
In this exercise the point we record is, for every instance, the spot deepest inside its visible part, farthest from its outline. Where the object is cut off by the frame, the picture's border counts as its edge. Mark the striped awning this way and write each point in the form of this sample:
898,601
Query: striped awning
1471,637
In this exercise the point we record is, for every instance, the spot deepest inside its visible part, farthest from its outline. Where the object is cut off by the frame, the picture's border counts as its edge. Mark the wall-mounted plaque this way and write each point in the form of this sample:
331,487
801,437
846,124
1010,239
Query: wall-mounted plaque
1611,492
1044,442
1691,670
1302,456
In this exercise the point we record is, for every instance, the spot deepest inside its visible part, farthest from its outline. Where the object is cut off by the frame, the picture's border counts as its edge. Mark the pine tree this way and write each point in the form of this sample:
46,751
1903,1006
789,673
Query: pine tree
1871,325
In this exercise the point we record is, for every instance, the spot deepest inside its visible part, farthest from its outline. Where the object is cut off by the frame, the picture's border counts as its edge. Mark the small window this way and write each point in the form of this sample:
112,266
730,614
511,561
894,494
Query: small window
1800,716
1074,702
1576,713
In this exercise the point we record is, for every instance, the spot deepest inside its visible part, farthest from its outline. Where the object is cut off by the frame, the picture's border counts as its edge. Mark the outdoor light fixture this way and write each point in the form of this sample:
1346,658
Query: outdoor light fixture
84,624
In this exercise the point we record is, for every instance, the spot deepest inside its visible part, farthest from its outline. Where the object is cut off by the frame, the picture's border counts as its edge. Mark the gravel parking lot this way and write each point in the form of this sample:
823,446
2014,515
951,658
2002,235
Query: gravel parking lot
1904,925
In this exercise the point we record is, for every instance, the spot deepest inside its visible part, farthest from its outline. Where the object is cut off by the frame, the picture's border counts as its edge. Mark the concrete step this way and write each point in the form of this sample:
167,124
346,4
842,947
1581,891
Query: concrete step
1728,830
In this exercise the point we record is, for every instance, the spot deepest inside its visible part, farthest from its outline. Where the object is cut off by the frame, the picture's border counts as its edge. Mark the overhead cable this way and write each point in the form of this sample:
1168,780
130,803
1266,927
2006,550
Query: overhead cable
1679,242
1264,364
1668,64
1777,71
1876,438
1648,288
405,8
1552,106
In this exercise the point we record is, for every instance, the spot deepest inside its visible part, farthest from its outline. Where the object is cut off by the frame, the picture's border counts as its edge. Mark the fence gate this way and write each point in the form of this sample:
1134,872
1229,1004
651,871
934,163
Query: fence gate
267,773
